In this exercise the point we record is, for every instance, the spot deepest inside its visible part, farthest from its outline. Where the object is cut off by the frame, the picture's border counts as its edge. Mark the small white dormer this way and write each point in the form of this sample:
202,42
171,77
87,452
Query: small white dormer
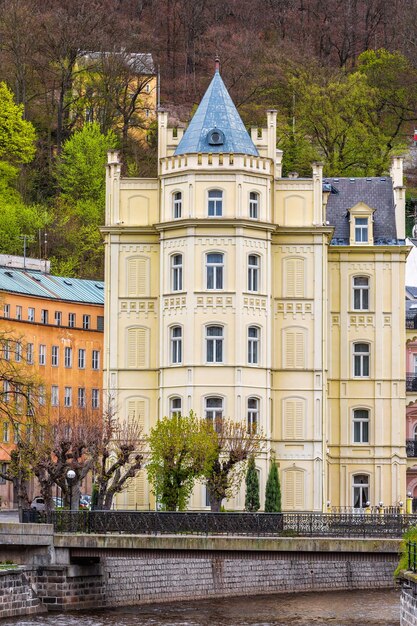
361,225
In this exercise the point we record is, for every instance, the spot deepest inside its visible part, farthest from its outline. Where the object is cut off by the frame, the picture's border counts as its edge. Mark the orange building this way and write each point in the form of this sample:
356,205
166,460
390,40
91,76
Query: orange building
59,321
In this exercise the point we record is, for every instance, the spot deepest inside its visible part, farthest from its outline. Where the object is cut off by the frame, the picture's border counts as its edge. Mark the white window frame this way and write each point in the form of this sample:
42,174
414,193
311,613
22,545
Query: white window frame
81,397
361,360
254,264
95,360
361,229
6,311
54,395
18,352
42,354
360,426
177,205
254,205
71,320
175,406
213,408
95,398
214,344
81,358
29,353
176,272
252,414
214,272
58,318
19,312
55,356
86,321
68,357
360,499
215,203
44,316
253,345
361,293
67,396
176,344
31,314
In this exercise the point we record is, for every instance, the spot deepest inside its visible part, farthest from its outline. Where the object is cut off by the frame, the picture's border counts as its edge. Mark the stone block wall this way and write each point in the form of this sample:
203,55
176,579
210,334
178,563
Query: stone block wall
156,576
408,609
70,587
17,593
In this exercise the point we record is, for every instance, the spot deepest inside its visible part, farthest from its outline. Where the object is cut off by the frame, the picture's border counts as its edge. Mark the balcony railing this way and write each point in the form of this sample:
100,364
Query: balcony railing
411,382
411,323
411,448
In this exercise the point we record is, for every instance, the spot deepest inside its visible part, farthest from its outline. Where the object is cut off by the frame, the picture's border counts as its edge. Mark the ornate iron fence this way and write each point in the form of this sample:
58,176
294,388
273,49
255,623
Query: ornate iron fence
411,382
207,523
412,556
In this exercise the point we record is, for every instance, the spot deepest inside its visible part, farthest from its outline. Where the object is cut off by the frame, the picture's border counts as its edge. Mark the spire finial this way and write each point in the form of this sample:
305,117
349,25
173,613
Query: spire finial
217,62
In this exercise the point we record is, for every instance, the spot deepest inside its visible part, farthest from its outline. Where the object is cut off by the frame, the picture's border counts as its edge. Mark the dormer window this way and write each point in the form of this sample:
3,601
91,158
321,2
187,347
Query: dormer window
361,225
361,229
215,137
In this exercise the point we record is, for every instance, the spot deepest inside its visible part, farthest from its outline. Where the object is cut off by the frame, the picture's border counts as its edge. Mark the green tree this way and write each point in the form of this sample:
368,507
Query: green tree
181,449
17,136
273,490
252,502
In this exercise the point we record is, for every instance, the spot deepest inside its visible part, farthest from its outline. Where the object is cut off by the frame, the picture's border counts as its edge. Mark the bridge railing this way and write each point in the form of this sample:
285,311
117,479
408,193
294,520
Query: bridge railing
239,523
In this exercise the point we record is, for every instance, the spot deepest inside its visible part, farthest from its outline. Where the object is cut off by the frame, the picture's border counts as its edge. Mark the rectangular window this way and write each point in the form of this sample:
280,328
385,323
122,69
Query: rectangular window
6,391
29,353
360,293
176,269
360,426
6,350
55,356
19,350
18,312
68,357
176,344
361,360
71,320
44,316
86,322
361,229
215,203
58,318
6,432
81,397
4,471
68,396
100,322
95,398
214,344
95,360
31,314
177,205
253,345
81,359
253,272
175,406
42,354
214,269
16,433
253,205
42,395
55,395
6,310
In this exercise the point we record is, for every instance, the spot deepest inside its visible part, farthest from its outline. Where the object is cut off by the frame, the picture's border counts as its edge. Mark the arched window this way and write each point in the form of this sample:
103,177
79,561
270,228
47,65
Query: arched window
360,293
214,344
176,344
214,270
214,408
175,406
253,345
253,272
361,426
254,205
215,203
415,433
177,205
176,272
253,415
360,487
361,360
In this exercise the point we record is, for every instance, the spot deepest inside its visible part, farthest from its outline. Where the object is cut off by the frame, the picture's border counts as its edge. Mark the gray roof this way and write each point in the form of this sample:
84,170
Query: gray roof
139,62
376,192
41,285
216,112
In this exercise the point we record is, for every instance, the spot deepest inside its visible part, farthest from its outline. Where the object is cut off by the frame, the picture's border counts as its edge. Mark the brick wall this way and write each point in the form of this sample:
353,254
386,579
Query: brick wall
150,576
17,595
70,587
408,608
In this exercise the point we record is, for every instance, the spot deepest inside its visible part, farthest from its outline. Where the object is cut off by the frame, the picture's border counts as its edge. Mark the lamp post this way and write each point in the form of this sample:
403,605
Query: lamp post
70,479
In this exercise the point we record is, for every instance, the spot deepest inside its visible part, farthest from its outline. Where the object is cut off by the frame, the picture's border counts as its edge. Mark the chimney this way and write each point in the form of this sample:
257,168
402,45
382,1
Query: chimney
113,171
162,134
271,117
396,173
318,214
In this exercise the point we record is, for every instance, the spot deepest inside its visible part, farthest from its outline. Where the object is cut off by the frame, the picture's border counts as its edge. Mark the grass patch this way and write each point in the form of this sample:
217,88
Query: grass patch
409,536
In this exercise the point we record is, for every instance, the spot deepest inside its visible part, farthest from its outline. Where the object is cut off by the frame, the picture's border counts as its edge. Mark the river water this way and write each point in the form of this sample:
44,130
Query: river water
339,608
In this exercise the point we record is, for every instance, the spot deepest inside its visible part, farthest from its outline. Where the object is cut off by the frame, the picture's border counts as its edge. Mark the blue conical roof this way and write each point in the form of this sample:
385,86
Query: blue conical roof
215,113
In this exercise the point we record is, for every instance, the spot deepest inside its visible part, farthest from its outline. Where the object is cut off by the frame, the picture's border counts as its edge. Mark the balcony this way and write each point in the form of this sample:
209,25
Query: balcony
411,448
411,382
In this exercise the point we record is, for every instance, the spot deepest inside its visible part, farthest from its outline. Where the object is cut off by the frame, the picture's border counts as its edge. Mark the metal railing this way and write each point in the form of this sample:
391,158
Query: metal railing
412,556
242,523
411,448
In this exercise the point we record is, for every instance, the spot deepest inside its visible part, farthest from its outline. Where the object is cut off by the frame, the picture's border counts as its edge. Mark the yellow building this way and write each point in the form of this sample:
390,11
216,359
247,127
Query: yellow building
233,290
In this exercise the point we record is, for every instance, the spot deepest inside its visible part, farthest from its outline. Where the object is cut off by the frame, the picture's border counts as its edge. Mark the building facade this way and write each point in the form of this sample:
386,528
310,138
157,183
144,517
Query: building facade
59,322
232,290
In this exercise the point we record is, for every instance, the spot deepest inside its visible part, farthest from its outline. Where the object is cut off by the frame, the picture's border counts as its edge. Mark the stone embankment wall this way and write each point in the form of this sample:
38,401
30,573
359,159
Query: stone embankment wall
18,594
145,577
408,611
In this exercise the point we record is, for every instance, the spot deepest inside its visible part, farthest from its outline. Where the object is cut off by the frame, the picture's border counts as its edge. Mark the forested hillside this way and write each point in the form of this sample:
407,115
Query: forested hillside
341,73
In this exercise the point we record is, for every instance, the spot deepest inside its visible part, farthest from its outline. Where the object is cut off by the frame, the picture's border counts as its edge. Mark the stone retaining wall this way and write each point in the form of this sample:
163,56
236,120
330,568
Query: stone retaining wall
408,610
146,576
17,593
70,587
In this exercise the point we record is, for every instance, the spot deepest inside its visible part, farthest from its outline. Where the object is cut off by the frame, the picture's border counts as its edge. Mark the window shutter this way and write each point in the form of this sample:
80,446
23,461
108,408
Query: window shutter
295,354
299,350
136,492
289,490
294,490
136,277
293,419
136,347
299,490
289,349
294,278
136,411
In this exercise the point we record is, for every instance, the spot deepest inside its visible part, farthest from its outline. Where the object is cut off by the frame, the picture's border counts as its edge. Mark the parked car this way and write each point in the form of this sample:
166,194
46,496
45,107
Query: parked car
58,502
38,503
85,502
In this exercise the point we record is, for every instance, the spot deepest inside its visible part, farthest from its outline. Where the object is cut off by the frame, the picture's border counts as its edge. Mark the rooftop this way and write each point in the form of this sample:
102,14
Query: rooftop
216,125
41,285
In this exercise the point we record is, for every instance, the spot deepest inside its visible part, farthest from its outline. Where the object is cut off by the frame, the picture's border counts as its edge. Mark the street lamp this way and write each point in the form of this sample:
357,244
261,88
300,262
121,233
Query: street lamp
70,478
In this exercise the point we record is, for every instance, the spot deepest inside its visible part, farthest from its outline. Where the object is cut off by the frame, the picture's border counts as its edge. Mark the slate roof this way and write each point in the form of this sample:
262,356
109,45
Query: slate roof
140,63
40,285
216,111
375,192
411,292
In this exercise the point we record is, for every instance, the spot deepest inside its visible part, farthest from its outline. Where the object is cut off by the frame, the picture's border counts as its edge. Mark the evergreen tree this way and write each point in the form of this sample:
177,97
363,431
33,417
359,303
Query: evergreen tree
252,502
273,491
